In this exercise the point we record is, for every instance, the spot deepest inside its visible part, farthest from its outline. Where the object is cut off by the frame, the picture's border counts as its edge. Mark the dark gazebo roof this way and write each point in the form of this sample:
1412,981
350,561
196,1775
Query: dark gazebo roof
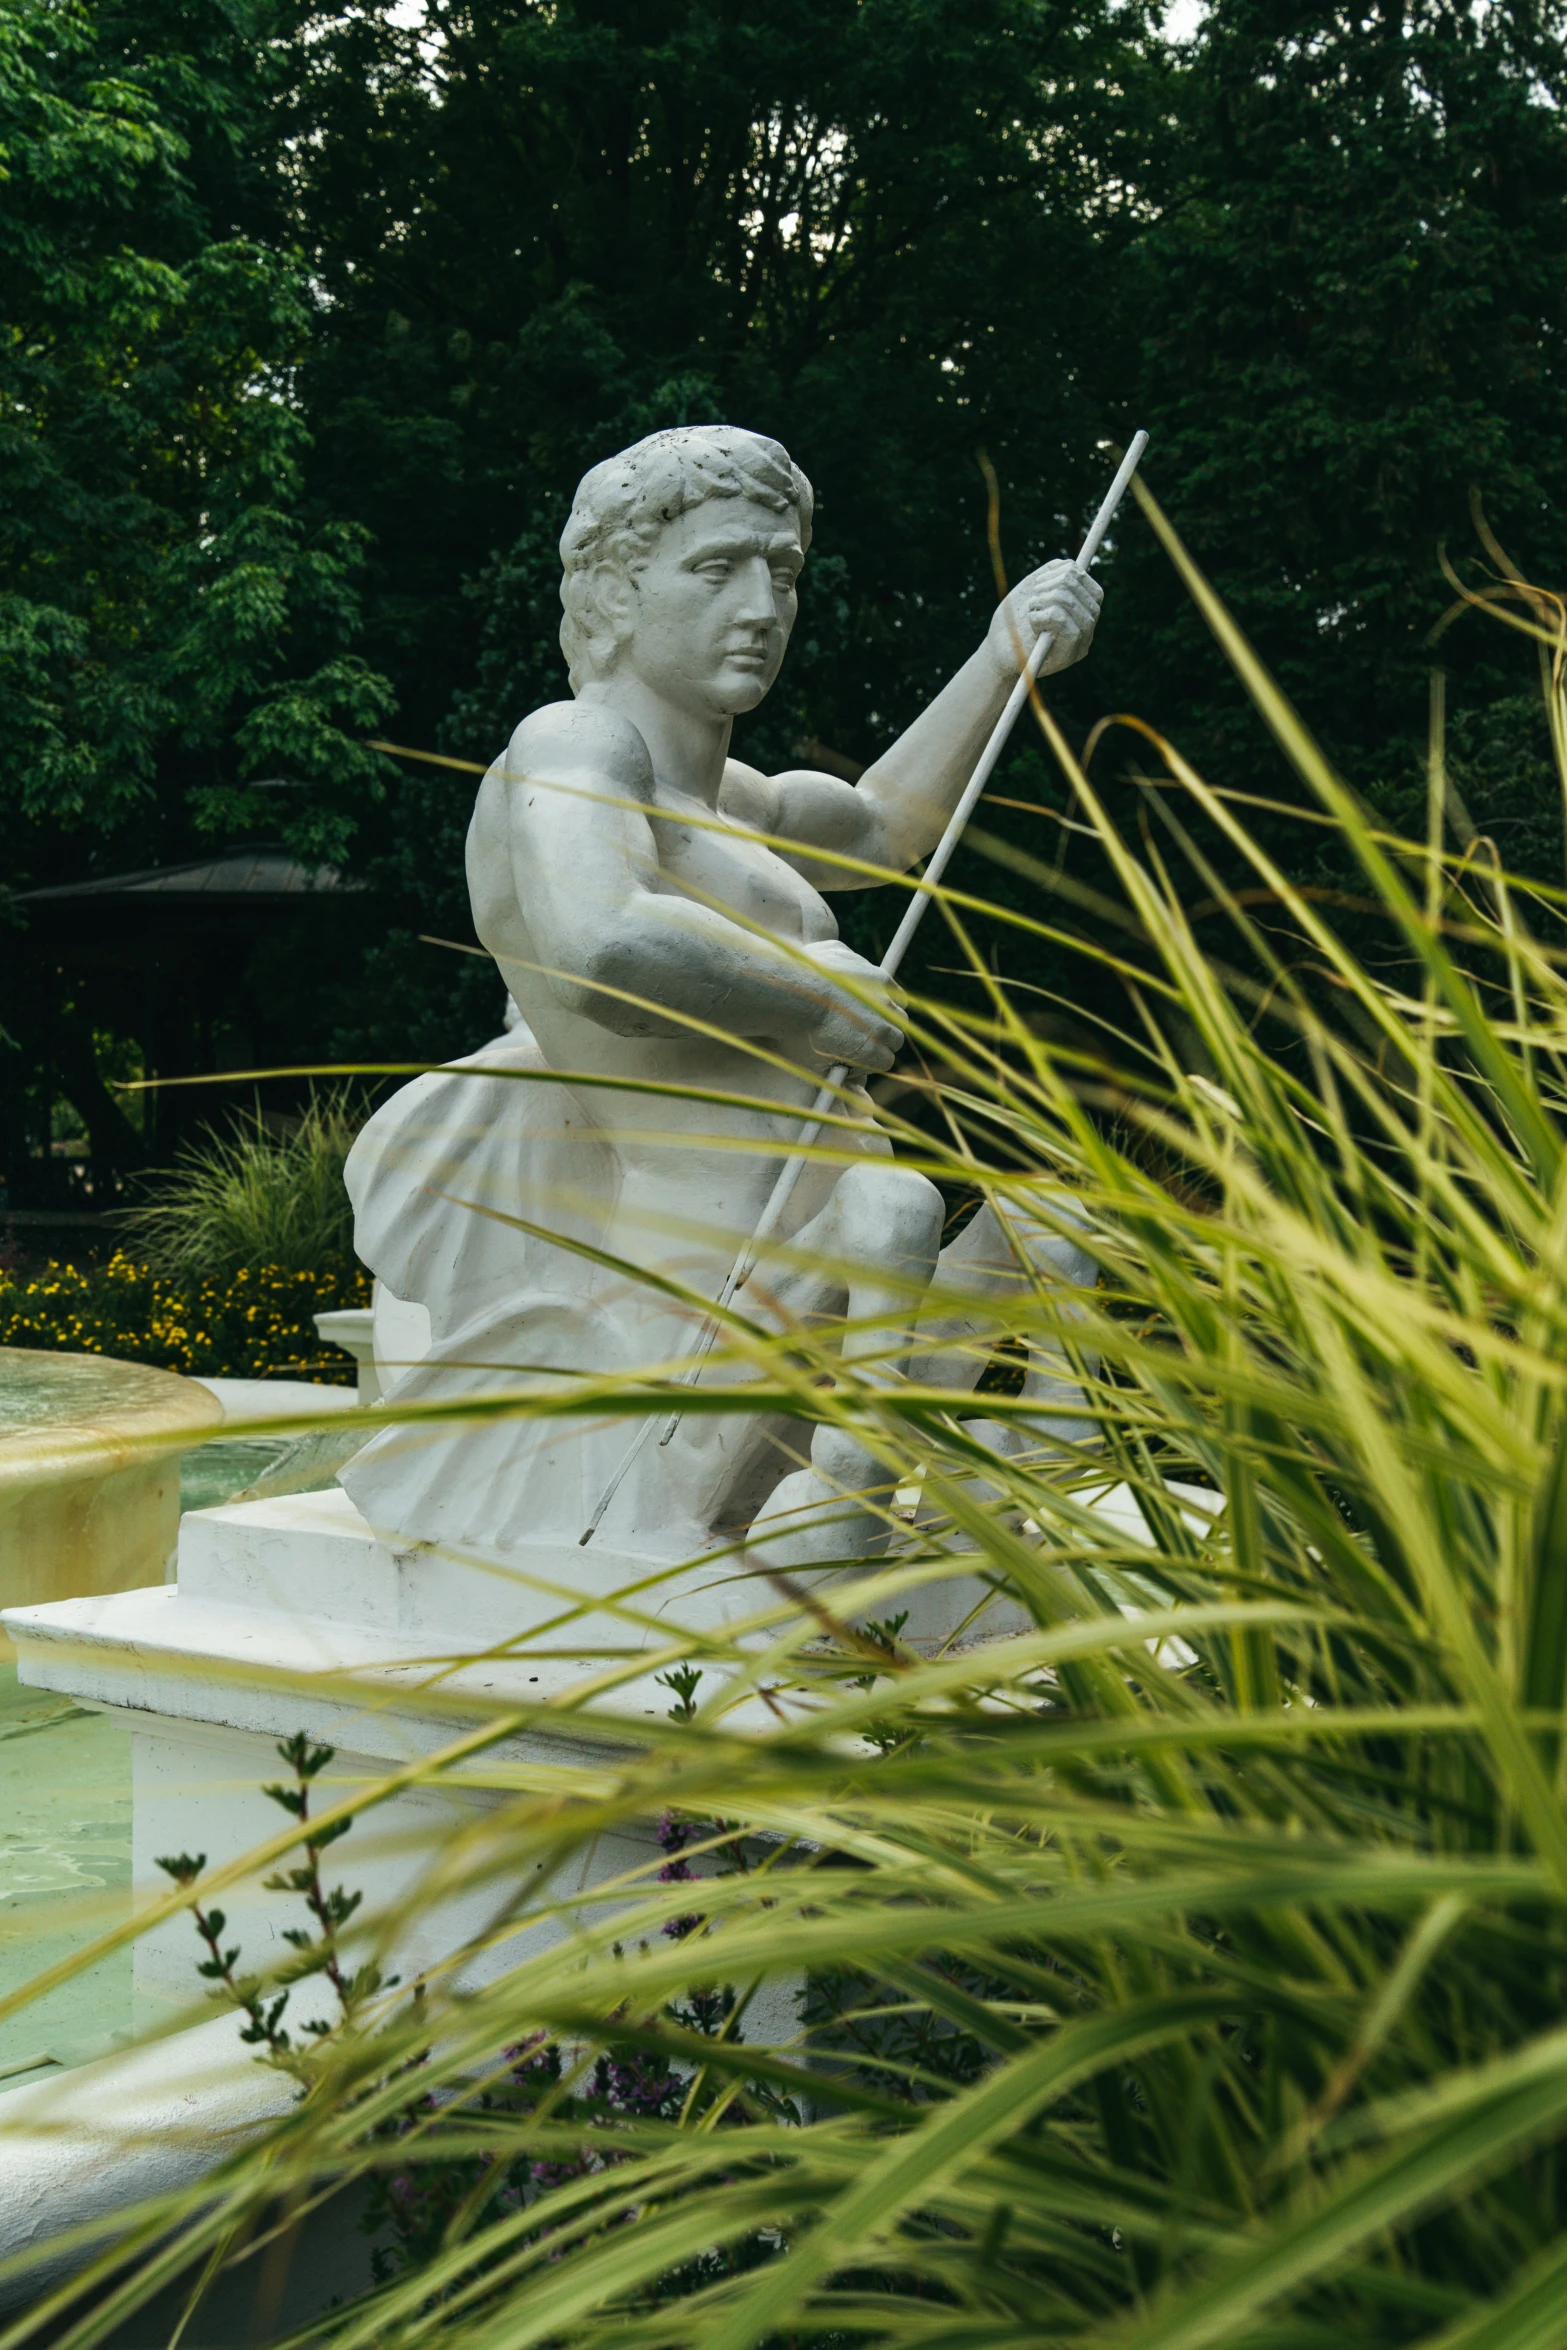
251,874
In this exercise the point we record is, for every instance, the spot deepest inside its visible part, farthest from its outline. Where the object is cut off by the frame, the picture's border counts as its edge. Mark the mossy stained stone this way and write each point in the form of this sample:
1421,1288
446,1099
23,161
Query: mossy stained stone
90,1473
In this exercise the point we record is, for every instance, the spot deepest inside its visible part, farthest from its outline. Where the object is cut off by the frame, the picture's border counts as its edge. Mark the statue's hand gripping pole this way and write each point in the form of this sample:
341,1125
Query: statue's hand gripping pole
914,914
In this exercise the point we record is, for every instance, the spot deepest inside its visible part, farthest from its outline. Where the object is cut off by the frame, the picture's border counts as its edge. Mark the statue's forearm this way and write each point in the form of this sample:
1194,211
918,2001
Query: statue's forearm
913,788
665,955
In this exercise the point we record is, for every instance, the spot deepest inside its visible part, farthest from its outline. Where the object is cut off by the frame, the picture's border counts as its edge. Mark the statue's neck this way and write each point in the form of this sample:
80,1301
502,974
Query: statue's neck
687,748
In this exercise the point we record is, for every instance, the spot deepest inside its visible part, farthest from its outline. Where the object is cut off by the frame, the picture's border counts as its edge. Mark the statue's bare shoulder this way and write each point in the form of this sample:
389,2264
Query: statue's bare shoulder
582,745
559,819
749,796
571,784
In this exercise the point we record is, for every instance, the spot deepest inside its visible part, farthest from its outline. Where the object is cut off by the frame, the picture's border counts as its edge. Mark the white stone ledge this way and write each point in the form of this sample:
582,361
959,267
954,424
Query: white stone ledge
156,1652
84,2146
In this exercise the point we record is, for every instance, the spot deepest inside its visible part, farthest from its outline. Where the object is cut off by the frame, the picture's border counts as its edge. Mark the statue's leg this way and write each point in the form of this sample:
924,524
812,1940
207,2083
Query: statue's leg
988,1267
877,1240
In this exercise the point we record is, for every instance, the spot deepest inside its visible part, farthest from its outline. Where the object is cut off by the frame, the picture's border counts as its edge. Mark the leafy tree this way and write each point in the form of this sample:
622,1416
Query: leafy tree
1352,312
315,316
173,619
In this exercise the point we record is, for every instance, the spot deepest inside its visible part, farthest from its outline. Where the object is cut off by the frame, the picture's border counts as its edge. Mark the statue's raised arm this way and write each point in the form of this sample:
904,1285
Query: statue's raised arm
897,811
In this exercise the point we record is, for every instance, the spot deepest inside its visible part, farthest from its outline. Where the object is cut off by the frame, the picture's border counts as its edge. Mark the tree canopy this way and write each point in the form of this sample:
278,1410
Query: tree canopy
315,315
171,614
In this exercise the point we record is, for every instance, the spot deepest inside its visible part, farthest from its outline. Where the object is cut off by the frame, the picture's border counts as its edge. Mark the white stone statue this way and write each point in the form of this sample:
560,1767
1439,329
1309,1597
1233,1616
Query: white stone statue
651,937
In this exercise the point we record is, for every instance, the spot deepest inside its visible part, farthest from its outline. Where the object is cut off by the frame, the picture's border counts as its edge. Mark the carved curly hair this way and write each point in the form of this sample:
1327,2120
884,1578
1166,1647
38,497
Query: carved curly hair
623,504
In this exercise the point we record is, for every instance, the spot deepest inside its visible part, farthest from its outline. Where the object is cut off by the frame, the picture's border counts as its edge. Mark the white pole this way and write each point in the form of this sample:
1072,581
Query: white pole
914,914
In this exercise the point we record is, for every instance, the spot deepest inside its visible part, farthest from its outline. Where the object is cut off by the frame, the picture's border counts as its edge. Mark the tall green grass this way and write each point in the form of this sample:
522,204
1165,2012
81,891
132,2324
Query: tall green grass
1181,1981
255,1196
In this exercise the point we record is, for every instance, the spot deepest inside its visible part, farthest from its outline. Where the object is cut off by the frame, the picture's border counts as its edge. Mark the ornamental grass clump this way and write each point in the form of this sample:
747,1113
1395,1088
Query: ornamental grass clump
1185,1970
253,1197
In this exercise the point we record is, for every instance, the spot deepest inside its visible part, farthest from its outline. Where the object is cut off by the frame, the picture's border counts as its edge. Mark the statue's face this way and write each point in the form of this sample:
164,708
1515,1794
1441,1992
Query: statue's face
709,609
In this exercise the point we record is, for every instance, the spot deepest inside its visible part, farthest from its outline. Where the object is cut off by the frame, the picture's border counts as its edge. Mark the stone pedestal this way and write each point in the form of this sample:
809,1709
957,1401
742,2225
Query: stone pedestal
353,1329
290,1614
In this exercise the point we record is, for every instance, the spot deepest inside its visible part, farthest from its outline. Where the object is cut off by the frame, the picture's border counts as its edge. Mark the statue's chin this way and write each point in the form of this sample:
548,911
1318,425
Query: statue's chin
744,693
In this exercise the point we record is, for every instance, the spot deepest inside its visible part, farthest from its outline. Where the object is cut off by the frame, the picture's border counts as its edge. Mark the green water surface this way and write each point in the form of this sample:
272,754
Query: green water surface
65,1874
65,1804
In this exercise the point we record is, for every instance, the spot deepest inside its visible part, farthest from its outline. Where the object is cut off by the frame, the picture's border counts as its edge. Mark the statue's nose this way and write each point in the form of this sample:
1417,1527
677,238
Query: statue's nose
756,604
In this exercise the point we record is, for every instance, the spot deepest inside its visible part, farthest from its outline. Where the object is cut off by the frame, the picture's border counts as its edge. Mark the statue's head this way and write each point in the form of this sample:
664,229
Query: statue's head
680,559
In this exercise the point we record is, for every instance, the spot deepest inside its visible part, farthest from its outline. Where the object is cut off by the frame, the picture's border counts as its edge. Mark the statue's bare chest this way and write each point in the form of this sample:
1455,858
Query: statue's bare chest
720,863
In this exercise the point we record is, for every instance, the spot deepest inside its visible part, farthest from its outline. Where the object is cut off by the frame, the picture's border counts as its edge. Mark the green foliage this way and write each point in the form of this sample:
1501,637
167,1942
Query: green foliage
432,2182
173,618
1323,258
432,2185
1347,321
682,1682
316,1946
254,1324
321,314
257,1197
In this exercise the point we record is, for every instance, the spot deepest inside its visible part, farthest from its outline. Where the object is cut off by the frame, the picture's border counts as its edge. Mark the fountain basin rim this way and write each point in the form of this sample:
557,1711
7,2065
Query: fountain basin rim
98,1415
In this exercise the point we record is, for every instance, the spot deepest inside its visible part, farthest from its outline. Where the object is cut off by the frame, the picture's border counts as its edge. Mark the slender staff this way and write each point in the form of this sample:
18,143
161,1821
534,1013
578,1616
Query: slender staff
914,914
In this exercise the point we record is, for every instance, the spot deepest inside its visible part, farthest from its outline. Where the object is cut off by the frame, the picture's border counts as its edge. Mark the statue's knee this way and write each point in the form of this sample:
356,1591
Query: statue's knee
1047,1239
844,1464
891,1212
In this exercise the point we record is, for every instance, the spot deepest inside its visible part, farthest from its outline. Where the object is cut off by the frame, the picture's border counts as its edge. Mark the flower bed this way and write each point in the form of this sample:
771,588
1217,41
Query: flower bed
253,1325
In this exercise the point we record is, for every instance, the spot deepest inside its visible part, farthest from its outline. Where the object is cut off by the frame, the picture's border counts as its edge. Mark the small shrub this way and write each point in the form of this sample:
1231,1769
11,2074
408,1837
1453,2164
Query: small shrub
431,2185
255,1324
252,1197
317,1947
